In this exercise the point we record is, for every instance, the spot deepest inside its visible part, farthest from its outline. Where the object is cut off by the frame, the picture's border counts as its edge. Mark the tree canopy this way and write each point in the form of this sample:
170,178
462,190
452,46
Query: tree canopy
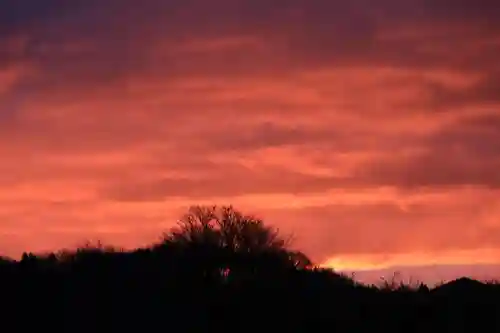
228,238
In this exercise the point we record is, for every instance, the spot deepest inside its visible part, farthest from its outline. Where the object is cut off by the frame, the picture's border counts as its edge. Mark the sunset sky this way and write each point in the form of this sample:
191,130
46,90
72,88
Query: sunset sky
368,129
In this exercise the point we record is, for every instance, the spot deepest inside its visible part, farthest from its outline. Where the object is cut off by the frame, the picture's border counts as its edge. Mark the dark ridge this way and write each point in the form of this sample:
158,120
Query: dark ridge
465,287
220,270
463,283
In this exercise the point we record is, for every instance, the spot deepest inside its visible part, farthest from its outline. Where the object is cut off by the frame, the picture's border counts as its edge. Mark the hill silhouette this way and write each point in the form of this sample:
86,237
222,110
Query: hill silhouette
221,270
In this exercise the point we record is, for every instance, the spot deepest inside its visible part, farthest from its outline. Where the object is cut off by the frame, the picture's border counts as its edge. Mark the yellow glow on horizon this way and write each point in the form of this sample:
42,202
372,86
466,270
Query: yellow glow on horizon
373,262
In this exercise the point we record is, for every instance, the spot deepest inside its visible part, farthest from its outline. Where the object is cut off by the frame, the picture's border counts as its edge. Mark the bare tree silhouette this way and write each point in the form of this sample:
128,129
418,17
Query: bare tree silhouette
225,227
228,242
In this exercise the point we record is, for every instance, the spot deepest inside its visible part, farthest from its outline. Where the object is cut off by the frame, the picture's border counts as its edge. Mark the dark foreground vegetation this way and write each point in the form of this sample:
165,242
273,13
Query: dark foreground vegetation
222,271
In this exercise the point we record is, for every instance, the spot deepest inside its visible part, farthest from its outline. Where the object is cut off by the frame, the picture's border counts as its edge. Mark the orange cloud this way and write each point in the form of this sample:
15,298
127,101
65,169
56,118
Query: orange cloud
364,133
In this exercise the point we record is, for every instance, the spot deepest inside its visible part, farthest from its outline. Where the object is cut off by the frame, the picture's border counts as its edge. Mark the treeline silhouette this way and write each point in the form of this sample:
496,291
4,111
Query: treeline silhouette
223,271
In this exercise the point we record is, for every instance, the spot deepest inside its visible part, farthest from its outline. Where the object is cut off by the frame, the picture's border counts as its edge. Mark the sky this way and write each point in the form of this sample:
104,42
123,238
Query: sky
369,130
